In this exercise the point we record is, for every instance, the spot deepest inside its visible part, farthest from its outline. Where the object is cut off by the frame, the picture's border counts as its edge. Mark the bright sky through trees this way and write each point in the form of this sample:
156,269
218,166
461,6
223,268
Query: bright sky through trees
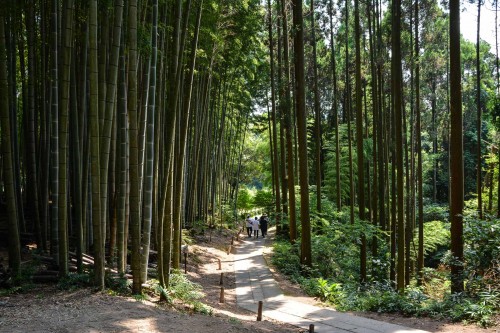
468,22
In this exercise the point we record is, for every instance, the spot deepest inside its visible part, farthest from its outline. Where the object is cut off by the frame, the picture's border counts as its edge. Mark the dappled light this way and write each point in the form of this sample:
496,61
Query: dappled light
148,146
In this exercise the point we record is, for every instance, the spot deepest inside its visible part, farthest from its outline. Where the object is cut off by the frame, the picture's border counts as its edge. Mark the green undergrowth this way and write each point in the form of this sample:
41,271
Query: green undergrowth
334,275
182,290
116,284
22,282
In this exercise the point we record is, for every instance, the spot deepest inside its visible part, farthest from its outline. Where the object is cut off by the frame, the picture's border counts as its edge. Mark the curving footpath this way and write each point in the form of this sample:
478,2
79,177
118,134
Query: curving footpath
254,283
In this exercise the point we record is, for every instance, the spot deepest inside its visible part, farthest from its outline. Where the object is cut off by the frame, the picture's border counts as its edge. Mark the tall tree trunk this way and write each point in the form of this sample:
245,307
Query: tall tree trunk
434,142
381,130
54,134
376,127
283,109
398,124
479,116
63,136
85,142
184,124
107,113
44,174
8,166
287,115
317,111
94,148
274,140
75,156
335,112
12,32
420,203
122,164
305,254
170,128
497,65
347,115
148,175
359,139
456,152
135,204
175,146
31,129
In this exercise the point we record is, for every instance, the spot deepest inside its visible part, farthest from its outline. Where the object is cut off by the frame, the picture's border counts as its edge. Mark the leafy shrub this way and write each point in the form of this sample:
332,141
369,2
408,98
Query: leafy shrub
264,199
74,281
459,307
310,286
330,292
335,272
227,217
197,228
10,291
244,201
435,212
183,290
437,241
140,297
482,239
435,282
118,283
286,259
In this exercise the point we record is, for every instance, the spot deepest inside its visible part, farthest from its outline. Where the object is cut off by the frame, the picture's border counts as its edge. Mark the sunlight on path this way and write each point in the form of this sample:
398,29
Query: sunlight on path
254,283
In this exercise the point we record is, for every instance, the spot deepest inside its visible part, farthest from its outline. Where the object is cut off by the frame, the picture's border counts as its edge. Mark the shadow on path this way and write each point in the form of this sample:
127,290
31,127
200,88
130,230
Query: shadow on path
255,282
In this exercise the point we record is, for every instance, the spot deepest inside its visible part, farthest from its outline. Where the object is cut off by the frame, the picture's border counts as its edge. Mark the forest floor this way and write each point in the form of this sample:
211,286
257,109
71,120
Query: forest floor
47,309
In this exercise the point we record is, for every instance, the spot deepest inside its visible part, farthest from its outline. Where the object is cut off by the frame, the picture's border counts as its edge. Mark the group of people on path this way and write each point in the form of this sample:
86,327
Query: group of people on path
256,224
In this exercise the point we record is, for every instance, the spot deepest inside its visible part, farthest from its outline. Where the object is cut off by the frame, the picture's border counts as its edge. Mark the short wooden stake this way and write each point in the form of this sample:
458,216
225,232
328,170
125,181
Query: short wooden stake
259,312
185,262
229,249
221,300
311,328
232,240
221,281
219,264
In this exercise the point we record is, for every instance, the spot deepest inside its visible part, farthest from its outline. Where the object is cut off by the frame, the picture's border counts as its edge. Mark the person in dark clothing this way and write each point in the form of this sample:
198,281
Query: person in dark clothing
264,220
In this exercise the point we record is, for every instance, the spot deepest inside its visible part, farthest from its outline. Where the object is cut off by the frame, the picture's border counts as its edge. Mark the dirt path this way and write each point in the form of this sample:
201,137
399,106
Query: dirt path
46,309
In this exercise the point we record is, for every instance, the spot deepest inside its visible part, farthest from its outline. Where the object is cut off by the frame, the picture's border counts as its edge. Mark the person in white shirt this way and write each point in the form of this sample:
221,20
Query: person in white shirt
249,222
255,227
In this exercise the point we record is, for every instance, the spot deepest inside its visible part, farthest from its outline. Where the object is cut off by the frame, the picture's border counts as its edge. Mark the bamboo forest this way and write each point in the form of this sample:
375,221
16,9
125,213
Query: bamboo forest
366,133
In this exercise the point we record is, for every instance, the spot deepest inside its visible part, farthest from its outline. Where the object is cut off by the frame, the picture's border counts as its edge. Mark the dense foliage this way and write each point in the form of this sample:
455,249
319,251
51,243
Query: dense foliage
362,127
333,277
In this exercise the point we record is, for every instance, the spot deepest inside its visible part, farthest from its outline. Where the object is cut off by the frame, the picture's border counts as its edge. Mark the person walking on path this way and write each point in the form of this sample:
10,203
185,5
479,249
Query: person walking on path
255,227
249,223
263,224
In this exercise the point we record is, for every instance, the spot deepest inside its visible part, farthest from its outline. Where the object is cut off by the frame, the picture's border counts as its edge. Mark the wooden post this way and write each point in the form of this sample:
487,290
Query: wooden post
219,264
185,262
221,281
311,328
221,299
259,312
232,240
228,249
